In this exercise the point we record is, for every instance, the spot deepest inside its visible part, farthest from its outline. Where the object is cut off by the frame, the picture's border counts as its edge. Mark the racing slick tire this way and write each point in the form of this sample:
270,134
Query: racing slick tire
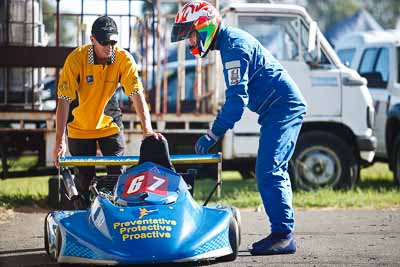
46,239
238,218
233,241
46,236
322,159
58,241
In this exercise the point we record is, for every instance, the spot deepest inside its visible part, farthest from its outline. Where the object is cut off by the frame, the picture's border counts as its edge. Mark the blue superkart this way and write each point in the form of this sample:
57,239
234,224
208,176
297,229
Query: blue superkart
148,217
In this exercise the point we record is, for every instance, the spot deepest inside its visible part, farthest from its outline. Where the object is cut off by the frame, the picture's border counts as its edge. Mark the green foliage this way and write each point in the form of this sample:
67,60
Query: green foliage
66,22
328,13
386,12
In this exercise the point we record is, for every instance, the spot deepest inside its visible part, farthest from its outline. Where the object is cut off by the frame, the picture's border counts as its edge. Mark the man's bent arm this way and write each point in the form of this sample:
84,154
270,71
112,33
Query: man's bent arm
61,119
61,124
140,105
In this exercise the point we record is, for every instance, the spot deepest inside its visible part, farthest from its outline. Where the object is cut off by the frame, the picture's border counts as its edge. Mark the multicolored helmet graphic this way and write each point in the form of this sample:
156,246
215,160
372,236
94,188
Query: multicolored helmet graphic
199,17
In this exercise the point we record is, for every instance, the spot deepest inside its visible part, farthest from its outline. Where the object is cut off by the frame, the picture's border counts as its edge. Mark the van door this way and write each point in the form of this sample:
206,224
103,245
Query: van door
374,66
287,37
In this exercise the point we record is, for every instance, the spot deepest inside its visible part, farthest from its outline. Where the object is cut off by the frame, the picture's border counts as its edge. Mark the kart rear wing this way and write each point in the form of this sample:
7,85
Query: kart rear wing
73,161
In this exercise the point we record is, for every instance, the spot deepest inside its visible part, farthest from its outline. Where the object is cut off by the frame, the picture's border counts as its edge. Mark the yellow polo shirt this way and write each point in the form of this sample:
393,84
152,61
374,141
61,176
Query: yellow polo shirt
94,85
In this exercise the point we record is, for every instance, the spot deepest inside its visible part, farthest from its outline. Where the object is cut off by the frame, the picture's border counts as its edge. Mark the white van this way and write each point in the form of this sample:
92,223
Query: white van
336,137
376,56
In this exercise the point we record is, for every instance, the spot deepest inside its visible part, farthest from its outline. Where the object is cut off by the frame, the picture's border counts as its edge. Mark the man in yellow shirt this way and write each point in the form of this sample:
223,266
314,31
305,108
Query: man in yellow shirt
91,75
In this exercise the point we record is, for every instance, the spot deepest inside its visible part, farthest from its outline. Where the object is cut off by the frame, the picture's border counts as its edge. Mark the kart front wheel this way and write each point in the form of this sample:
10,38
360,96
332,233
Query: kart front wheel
58,241
46,235
233,241
238,218
47,239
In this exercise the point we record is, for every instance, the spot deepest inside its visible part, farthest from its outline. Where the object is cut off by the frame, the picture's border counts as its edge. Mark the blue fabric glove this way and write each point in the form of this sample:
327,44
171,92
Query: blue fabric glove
205,143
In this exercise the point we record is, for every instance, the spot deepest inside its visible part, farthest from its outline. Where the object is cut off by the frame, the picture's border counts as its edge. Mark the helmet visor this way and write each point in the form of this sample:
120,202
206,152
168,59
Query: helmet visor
181,31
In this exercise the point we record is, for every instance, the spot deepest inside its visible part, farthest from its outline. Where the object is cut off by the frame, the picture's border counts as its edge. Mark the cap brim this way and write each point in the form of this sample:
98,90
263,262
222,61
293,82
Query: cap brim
106,37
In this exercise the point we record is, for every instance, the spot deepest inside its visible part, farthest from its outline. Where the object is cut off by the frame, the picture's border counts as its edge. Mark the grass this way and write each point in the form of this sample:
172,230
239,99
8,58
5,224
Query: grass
17,192
22,163
374,190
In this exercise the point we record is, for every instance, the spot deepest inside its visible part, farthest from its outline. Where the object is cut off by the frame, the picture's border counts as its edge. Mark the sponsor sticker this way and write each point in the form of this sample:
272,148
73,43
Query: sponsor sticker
63,86
152,228
234,76
89,79
232,64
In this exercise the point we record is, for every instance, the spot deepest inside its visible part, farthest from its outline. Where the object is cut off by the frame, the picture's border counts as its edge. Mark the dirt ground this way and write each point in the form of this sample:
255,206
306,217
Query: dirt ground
354,237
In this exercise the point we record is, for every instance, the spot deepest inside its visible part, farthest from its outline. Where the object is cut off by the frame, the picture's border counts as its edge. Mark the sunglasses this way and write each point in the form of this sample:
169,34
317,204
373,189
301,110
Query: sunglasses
108,42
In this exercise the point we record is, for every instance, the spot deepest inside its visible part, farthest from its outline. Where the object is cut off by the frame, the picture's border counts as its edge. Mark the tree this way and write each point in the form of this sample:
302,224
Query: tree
49,20
327,13
386,12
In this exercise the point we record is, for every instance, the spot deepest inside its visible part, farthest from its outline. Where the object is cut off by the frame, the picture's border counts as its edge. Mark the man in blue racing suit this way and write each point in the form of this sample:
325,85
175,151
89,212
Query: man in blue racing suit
256,80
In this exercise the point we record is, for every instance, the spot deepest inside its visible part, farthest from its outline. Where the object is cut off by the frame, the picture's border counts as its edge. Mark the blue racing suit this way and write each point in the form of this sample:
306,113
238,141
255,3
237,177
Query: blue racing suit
255,79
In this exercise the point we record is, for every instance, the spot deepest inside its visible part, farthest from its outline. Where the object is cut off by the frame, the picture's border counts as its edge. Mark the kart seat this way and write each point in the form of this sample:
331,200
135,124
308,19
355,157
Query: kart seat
156,151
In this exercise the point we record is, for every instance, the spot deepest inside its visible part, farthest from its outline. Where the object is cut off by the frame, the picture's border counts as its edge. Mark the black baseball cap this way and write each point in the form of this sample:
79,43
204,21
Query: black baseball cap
105,30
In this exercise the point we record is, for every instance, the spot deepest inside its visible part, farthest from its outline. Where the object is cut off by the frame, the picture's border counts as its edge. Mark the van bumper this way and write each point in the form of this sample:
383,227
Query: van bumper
367,147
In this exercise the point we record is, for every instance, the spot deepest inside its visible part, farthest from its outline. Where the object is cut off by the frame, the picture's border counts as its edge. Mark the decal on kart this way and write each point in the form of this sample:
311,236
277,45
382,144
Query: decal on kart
145,228
146,182
143,212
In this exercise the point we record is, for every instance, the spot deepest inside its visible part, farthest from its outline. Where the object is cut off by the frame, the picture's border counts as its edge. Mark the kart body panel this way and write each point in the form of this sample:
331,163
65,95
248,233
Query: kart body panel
151,218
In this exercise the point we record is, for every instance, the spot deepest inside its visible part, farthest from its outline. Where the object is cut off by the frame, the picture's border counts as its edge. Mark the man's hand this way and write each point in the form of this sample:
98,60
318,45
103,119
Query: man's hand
157,136
59,151
205,143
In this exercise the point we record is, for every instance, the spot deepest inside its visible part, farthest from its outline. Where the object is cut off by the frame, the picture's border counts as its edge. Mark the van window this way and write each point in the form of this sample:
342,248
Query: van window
346,55
277,34
382,64
368,60
317,58
374,67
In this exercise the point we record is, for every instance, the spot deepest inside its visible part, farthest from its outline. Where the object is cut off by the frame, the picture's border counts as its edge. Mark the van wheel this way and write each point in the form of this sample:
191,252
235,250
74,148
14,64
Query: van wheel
396,161
322,159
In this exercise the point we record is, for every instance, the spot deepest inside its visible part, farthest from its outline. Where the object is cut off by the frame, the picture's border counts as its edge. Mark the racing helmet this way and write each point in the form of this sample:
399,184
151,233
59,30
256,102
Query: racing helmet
202,18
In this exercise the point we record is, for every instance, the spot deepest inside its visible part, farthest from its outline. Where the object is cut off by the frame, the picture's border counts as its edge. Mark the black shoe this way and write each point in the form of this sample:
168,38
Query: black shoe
274,244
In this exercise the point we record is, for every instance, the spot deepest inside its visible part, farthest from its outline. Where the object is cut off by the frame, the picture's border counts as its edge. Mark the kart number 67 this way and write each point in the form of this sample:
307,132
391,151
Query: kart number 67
146,182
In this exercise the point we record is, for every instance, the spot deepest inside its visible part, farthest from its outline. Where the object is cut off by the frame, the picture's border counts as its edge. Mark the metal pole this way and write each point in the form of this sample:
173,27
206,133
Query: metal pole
25,43
158,81
58,24
7,42
83,38
165,78
57,38
129,27
134,160
197,85
106,3
154,47
33,69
